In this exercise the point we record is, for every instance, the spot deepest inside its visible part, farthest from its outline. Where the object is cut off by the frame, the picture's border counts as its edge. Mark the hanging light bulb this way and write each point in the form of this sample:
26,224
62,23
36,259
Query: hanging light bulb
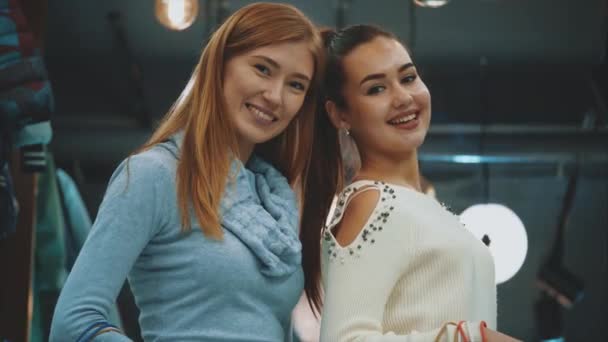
176,14
431,3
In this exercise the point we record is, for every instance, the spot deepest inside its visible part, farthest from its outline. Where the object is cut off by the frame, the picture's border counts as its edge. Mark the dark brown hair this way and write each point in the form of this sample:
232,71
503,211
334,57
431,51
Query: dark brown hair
326,171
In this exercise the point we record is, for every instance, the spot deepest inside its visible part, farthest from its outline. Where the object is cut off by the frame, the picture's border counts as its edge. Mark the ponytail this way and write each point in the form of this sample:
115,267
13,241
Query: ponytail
325,179
325,173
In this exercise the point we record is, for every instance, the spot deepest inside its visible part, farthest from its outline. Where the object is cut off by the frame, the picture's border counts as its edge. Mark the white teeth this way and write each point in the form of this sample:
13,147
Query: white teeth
260,114
404,119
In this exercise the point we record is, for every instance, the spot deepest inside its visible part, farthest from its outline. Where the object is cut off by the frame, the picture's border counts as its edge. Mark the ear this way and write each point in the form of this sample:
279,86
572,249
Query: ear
337,116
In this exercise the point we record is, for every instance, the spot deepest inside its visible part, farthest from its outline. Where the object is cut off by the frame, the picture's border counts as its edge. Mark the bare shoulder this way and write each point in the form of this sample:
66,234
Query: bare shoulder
356,214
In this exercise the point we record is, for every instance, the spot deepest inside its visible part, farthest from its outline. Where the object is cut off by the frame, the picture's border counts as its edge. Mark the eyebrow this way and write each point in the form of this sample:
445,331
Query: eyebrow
377,76
277,66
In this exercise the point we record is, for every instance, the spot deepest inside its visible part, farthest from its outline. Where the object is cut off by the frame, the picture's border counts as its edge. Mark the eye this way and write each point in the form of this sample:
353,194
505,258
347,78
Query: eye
297,85
409,79
375,90
262,68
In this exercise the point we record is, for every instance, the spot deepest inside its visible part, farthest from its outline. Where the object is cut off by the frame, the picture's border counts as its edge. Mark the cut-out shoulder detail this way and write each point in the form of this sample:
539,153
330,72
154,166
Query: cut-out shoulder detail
411,268
357,212
372,212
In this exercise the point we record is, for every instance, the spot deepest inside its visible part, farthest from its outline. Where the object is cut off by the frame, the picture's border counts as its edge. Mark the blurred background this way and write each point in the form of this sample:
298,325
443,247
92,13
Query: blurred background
519,94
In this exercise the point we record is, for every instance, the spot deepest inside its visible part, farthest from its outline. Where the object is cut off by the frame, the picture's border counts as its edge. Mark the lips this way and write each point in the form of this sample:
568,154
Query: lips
404,118
262,115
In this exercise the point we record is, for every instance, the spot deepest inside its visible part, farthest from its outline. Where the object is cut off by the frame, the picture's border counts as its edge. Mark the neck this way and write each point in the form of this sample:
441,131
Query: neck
400,170
245,150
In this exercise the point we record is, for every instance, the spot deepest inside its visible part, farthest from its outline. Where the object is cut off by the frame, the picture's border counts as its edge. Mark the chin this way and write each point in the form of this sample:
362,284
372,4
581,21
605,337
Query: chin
252,134
260,138
415,139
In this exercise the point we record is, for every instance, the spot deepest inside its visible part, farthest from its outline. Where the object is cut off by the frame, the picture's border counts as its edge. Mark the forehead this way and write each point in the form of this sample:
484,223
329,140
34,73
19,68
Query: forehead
292,57
380,55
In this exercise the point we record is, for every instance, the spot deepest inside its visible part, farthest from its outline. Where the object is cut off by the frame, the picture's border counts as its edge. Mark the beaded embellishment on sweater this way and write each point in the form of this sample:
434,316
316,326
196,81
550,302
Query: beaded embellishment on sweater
451,212
373,227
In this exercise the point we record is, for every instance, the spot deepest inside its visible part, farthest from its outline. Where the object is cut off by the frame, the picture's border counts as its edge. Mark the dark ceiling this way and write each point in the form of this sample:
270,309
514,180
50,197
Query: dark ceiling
505,62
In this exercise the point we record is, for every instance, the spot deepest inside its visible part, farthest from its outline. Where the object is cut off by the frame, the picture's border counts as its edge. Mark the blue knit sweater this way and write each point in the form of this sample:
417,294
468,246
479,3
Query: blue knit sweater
188,287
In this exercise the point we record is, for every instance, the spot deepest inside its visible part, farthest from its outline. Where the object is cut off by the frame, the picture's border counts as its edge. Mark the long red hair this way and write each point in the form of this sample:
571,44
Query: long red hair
209,138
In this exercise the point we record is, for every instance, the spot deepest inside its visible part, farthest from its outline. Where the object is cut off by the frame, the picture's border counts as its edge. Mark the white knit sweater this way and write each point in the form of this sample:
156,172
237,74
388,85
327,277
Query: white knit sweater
412,268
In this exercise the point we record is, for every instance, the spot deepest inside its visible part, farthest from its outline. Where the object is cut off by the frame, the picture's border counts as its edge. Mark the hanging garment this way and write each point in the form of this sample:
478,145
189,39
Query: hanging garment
50,253
26,99
26,102
25,92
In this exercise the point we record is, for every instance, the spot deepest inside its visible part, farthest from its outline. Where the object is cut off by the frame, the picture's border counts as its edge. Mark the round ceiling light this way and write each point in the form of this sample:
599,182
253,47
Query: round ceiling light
508,241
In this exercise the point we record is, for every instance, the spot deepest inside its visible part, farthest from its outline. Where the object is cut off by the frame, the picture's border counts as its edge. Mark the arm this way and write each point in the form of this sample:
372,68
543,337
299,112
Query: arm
357,291
128,218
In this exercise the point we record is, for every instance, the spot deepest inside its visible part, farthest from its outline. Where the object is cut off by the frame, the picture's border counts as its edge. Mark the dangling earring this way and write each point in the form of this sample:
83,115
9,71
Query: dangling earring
347,131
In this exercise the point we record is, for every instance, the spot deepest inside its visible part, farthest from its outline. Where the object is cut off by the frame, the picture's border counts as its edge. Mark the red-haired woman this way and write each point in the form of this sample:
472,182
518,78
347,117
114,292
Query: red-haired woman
202,219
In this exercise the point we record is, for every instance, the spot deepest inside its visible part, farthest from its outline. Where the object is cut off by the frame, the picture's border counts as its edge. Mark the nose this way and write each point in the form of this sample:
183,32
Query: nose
273,93
402,97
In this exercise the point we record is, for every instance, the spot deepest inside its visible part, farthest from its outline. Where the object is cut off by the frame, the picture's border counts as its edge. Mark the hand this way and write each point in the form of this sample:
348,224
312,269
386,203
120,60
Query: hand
495,336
